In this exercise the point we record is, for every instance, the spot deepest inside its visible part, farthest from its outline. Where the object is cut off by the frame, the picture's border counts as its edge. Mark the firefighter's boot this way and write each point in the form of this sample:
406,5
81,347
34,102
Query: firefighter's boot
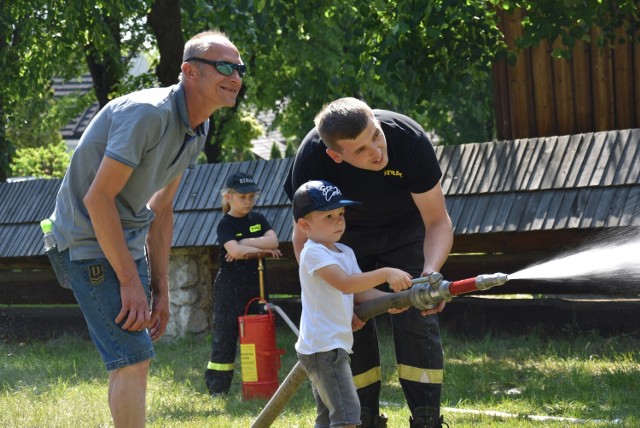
424,417
217,382
367,420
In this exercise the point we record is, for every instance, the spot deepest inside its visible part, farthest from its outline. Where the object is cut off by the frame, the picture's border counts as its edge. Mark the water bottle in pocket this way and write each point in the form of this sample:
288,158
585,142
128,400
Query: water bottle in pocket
51,250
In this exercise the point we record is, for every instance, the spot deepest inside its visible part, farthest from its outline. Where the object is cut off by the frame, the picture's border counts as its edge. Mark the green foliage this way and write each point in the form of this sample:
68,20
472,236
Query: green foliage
275,151
572,21
35,132
47,161
238,133
414,57
32,50
136,83
429,59
462,119
38,122
42,39
289,150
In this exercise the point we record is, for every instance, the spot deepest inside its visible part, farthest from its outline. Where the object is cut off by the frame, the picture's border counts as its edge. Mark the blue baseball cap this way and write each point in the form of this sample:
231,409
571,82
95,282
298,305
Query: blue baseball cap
317,195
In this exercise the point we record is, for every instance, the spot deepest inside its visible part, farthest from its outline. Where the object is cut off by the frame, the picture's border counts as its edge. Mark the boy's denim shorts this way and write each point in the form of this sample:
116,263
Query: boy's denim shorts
336,398
97,290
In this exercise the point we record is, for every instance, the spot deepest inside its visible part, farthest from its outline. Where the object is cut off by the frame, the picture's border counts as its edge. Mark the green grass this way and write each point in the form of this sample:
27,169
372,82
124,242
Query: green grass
61,383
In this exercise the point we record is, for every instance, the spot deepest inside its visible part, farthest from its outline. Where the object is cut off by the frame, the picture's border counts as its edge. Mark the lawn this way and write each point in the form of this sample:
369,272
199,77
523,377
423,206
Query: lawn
571,379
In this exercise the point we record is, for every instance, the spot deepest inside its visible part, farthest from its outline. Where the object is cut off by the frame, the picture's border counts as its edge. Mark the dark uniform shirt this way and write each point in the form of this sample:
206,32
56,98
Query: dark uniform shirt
232,228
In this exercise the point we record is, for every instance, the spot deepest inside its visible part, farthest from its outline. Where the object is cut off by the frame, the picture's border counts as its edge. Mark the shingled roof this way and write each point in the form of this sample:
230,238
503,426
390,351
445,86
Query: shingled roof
80,86
580,181
585,181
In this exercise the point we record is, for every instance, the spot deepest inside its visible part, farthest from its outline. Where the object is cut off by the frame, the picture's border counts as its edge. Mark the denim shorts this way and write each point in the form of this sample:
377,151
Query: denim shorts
336,398
97,290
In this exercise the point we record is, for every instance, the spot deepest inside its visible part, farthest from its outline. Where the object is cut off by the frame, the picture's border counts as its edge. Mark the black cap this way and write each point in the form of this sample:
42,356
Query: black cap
242,183
317,195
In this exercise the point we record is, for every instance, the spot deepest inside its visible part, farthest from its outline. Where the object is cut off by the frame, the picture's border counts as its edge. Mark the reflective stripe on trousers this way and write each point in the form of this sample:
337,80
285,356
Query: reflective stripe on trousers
220,367
414,374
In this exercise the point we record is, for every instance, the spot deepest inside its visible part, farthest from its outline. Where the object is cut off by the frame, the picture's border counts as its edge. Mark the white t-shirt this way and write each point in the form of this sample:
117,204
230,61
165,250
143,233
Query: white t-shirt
325,323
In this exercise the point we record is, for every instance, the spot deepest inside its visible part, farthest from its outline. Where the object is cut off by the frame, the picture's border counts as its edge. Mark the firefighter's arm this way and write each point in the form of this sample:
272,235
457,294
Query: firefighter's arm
438,228
438,233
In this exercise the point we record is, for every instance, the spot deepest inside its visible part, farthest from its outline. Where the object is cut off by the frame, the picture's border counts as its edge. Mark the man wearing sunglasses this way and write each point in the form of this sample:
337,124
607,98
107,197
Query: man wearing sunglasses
113,219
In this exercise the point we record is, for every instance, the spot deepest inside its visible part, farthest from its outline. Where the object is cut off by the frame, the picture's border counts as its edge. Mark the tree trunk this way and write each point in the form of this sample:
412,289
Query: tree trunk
106,66
165,22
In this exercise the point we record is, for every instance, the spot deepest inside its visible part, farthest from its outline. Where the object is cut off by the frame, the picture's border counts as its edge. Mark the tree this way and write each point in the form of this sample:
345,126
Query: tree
407,56
289,150
43,161
239,129
29,57
41,39
164,19
570,21
275,151
430,59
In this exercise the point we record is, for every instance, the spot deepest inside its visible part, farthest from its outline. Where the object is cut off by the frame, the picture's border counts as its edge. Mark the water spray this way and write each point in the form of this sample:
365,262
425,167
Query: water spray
426,293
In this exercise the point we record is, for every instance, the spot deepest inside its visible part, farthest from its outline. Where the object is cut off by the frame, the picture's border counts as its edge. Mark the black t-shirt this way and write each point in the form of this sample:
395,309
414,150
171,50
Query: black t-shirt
385,195
232,228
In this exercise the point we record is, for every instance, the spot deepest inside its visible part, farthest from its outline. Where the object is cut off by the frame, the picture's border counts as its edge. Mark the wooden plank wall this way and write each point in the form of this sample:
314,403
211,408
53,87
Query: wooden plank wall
540,96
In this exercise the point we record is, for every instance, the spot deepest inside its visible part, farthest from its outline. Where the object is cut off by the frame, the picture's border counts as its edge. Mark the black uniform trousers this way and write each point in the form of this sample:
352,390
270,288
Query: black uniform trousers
232,291
416,339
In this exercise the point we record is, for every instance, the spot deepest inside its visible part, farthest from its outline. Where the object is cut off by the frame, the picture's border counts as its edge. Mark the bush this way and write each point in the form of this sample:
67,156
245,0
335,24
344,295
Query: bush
44,162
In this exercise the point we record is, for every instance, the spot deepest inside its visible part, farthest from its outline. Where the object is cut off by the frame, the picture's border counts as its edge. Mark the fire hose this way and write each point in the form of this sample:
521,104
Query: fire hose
425,293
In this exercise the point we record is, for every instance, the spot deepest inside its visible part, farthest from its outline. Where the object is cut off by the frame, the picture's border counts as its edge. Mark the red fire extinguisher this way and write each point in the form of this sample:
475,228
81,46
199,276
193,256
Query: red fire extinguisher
259,358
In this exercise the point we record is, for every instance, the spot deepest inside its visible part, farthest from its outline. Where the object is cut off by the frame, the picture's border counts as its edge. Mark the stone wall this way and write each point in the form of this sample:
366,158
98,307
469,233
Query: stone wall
190,291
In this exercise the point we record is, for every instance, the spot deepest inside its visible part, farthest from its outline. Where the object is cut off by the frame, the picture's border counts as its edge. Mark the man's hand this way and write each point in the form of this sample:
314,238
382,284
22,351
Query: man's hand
134,307
394,311
435,310
159,316
356,323
435,279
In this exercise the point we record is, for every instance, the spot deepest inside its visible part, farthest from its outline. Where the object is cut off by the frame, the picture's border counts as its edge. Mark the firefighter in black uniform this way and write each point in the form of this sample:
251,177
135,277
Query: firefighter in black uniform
386,161
244,236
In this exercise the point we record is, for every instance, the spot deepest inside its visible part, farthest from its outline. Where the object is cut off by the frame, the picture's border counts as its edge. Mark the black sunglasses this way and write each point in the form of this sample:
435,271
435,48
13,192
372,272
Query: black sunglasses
223,67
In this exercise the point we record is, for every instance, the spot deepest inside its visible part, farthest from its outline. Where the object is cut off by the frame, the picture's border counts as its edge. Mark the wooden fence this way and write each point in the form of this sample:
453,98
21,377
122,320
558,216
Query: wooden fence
598,89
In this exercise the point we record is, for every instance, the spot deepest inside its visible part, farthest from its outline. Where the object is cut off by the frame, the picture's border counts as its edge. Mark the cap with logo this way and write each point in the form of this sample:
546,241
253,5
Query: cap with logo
317,195
242,183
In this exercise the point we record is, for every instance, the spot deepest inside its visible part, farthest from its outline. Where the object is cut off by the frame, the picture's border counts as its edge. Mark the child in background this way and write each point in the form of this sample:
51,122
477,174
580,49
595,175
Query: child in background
244,236
331,282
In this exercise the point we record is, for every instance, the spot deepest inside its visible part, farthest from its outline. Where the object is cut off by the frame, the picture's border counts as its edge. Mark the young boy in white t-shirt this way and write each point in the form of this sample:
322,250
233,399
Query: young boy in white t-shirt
331,283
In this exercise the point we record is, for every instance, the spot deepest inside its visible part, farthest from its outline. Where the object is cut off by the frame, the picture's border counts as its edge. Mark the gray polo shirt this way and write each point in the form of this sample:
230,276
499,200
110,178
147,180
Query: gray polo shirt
147,130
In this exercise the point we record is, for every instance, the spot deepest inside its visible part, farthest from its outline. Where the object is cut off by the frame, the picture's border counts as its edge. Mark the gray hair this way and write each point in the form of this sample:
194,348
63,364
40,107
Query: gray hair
201,42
